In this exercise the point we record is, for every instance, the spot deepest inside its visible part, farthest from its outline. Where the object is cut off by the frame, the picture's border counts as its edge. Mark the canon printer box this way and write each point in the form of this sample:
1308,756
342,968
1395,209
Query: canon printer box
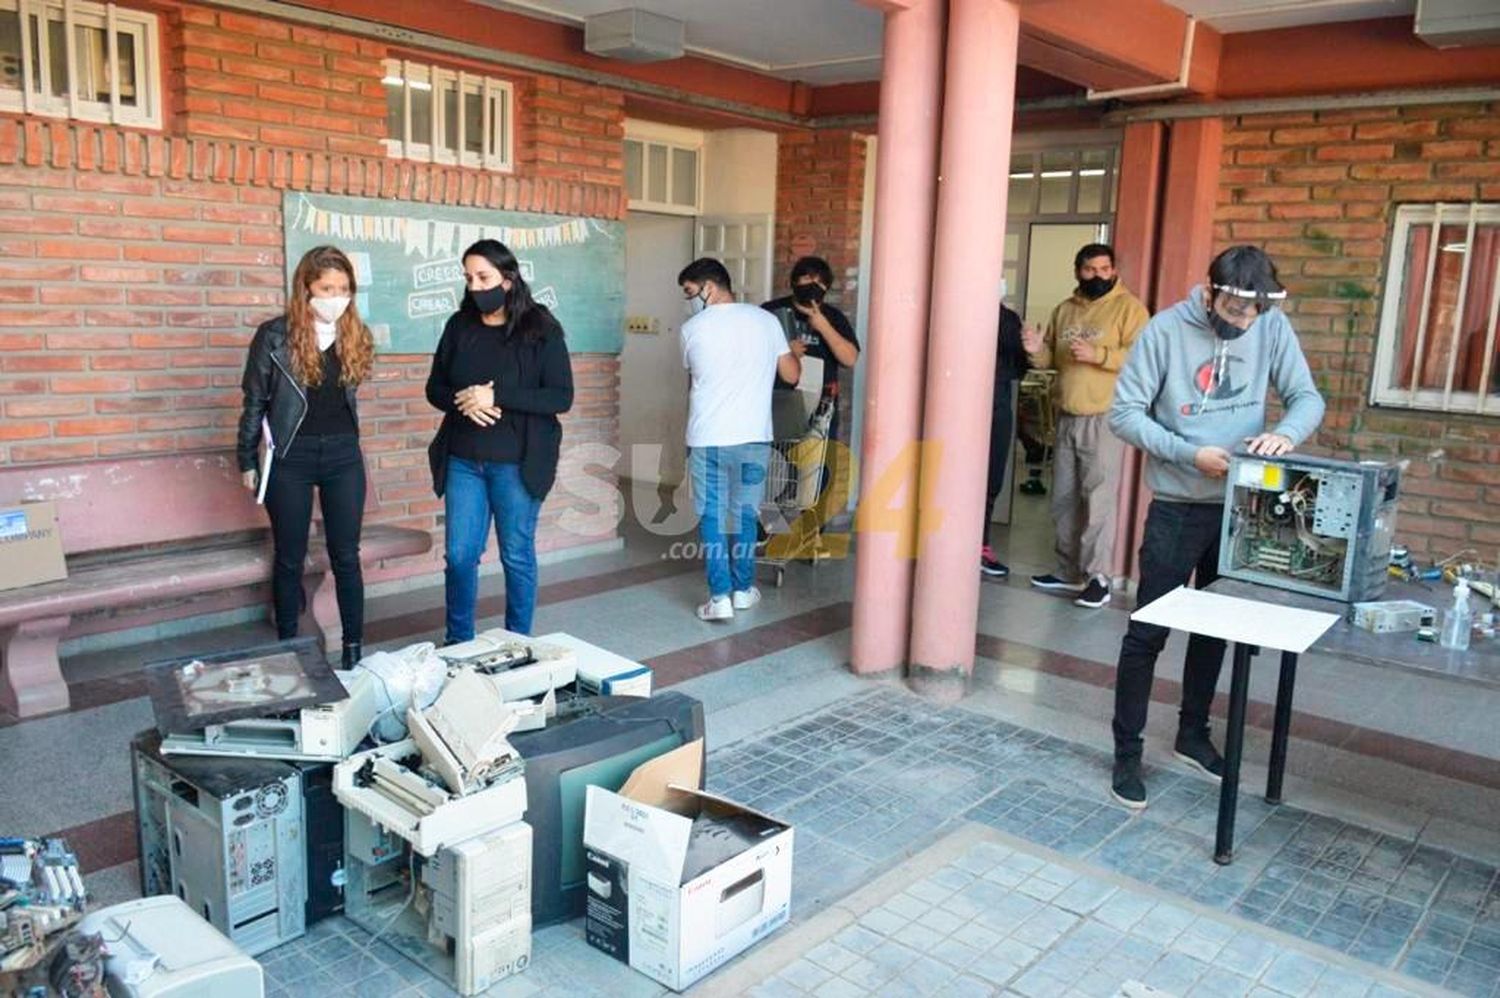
679,881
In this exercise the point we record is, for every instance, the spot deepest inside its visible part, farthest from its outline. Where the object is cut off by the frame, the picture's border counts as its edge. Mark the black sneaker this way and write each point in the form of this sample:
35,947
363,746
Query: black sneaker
1033,487
1195,749
1094,595
1054,583
1127,787
990,565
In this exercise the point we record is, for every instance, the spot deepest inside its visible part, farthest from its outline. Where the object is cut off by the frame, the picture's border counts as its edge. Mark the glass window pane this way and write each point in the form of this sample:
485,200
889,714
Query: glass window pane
711,236
10,52
126,48
634,182
450,117
1093,180
500,116
684,177
395,116
734,238
656,173
421,112
474,137
755,239
1473,325
1056,182
57,56
1022,185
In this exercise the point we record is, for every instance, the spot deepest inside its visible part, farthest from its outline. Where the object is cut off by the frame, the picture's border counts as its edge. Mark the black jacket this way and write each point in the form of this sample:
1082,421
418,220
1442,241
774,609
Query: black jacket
272,392
1011,361
531,393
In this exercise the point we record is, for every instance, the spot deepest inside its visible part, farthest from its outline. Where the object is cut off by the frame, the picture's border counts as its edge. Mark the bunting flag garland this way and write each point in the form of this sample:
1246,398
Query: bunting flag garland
435,238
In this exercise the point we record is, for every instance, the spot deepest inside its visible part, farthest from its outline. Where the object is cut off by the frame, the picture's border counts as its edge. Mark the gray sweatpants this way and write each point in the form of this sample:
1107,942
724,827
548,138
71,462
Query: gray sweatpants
1085,477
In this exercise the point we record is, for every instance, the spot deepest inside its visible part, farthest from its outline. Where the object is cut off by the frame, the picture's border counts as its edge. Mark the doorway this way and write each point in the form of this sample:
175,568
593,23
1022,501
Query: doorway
1061,197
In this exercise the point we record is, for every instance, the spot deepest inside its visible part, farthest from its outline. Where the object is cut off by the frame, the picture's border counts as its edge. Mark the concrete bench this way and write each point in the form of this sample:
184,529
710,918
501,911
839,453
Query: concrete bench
148,530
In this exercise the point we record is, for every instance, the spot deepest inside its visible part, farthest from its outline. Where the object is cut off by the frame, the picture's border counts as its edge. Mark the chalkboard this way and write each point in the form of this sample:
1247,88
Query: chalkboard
410,276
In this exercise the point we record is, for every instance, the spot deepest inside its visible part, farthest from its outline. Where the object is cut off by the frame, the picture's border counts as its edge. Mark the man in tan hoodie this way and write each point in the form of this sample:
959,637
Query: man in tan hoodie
1086,340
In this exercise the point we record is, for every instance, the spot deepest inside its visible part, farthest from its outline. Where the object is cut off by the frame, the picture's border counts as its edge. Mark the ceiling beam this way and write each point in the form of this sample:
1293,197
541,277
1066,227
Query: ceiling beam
1132,43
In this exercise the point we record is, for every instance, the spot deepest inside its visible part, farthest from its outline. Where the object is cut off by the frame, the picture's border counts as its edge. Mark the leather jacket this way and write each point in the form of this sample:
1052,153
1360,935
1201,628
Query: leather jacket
272,393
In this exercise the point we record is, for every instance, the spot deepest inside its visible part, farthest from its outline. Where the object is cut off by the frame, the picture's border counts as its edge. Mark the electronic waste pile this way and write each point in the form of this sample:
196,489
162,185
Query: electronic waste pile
433,796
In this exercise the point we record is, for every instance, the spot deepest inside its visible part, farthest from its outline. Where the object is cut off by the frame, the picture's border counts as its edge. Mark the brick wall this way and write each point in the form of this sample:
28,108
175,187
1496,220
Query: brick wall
134,266
820,178
1319,192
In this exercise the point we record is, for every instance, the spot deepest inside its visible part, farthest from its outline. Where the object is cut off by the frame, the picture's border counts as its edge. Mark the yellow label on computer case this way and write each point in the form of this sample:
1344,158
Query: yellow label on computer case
1271,477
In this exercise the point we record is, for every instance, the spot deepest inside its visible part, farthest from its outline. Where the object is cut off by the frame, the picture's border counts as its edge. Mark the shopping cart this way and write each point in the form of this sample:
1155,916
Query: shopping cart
789,513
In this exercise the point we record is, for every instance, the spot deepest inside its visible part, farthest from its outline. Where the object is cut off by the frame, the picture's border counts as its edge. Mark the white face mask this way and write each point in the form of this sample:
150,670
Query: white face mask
697,303
329,309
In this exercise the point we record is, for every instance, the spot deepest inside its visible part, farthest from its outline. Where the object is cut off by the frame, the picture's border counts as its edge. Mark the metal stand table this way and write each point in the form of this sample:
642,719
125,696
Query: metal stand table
1249,625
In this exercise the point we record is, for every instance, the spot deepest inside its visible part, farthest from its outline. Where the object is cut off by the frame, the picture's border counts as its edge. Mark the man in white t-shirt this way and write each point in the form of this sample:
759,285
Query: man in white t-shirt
733,351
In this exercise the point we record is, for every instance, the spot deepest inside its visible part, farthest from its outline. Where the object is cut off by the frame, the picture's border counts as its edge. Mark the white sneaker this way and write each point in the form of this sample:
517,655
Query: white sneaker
717,608
746,598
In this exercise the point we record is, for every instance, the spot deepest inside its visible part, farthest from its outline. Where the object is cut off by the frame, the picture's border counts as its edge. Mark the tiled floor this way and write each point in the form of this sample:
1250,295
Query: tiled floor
1001,916
869,779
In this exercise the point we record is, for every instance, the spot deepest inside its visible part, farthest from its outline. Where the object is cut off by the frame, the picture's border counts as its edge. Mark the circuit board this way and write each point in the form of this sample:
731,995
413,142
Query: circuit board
1294,524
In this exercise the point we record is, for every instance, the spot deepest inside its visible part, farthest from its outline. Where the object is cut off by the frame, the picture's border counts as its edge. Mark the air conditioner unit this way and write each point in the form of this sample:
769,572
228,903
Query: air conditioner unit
1451,23
633,35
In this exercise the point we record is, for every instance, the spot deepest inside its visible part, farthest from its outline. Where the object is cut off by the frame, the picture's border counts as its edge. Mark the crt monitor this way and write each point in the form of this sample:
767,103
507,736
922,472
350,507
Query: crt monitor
599,743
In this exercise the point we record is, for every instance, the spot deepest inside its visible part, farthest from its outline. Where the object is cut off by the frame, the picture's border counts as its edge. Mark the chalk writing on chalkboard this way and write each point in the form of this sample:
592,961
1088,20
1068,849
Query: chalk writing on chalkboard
410,275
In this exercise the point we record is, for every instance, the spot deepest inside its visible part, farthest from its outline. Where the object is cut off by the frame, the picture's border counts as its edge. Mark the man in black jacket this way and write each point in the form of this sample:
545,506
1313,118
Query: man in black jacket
1010,365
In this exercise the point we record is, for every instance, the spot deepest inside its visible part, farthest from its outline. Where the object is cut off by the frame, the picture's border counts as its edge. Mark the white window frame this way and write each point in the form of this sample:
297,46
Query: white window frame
497,99
1387,352
672,138
114,21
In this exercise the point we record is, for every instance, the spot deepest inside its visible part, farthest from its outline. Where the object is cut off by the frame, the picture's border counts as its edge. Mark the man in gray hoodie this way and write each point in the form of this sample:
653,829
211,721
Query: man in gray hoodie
1194,387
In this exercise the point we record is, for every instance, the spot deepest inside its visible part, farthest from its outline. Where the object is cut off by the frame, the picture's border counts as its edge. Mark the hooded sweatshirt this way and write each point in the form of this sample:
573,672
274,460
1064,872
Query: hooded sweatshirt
1111,323
1184,388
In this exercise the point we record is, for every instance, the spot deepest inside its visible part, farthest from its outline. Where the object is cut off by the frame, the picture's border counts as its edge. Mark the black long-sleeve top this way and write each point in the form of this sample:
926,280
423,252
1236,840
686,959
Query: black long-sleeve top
533,375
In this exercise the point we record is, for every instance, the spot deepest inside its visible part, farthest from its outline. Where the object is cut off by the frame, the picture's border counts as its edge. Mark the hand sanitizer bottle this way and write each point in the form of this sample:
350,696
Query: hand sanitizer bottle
1458,620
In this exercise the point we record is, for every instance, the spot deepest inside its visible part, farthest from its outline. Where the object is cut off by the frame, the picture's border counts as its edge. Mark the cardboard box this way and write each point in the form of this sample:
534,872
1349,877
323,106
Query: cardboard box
680,881
31,548
603,672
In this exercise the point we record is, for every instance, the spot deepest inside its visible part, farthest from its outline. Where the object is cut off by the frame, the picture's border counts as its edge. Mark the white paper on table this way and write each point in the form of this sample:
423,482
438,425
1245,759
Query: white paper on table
267,451
1243,621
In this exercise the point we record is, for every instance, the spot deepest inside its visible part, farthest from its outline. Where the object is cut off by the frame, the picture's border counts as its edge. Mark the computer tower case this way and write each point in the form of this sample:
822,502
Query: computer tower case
226,836
1310,524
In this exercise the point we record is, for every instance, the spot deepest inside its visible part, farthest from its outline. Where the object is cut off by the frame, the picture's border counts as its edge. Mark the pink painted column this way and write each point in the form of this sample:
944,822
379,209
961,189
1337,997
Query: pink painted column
905,192
979,95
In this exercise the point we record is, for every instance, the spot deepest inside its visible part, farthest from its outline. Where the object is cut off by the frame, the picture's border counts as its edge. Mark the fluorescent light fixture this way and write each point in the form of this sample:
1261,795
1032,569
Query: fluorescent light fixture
1455,248
1022,176
1054,174
1091,173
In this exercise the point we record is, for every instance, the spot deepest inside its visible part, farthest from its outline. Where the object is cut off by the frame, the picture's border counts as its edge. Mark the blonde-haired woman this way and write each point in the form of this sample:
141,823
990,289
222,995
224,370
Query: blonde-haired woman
300,381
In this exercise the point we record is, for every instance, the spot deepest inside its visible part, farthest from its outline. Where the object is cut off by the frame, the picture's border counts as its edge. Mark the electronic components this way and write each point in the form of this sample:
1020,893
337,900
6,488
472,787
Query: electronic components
1310,524
1392,616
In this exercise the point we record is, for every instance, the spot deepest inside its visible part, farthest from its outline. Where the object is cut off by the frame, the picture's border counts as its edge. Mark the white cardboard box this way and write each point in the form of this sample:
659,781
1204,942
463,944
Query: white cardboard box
645,907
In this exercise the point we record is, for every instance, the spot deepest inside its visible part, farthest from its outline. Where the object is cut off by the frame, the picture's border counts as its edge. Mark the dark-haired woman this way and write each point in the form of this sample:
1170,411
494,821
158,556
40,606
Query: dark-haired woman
300,382
501,375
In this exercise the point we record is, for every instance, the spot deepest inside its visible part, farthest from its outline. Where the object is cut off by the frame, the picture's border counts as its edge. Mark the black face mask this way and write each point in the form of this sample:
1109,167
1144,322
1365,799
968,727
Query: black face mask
1096,287
489,300
1223,328
807,294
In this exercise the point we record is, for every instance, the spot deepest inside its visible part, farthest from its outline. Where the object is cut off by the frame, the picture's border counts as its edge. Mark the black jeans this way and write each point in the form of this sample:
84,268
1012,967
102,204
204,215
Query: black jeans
1182,540
1002,429
335,465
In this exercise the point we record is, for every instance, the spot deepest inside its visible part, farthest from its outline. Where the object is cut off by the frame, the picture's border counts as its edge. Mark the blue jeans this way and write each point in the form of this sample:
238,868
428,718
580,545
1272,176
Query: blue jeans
477,492
728,484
